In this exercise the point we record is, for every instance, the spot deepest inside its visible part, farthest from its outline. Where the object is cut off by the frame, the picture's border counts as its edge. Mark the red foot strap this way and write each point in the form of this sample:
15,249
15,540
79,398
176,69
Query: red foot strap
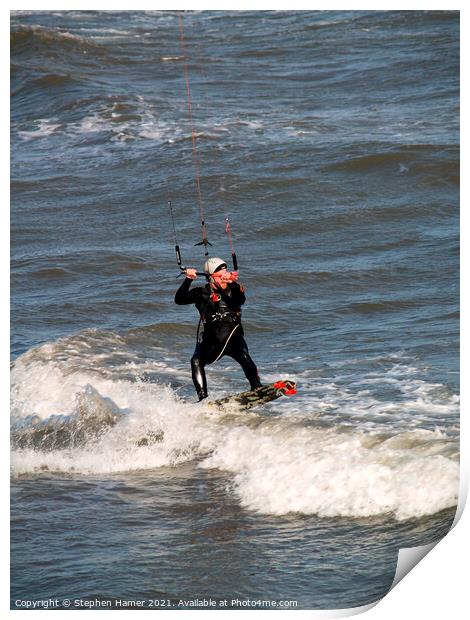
282,385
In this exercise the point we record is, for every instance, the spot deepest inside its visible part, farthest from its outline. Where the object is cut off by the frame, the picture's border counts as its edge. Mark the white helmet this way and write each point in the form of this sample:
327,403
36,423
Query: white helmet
213,264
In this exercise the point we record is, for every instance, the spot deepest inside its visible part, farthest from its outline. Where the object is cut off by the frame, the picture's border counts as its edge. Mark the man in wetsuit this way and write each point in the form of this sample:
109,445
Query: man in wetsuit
219,303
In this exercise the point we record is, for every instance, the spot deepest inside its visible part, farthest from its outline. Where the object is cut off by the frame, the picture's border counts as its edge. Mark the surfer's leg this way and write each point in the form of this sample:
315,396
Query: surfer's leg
198,363
239,351
205,353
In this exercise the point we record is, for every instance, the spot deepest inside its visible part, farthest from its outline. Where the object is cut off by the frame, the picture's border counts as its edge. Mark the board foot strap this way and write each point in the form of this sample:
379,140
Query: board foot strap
285,387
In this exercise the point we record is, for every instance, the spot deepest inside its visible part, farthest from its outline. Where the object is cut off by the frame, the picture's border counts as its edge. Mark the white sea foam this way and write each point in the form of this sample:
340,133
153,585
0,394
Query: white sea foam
395,398
140,121
330,473
279,464
44,127
90,124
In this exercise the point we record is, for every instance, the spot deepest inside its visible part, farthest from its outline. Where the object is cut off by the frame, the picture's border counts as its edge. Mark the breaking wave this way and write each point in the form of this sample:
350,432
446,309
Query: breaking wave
72,419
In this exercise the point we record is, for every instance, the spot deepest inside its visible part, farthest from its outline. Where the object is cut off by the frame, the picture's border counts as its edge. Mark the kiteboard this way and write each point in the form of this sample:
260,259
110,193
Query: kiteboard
258,396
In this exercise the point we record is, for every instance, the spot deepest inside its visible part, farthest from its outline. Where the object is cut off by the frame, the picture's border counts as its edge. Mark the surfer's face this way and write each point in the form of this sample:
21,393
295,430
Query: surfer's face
220,278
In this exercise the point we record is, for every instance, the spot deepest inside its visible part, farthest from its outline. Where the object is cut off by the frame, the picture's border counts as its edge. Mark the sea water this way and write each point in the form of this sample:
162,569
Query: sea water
331,140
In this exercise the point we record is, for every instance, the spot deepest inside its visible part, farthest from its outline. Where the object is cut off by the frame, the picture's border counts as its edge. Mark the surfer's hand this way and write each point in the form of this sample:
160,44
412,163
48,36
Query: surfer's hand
191,273
225,276
219,276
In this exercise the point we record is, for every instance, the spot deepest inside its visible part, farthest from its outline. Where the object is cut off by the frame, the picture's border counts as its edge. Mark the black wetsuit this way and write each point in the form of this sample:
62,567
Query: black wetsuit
223,331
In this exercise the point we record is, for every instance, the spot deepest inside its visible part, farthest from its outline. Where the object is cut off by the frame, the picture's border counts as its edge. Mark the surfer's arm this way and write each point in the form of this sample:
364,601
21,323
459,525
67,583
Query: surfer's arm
184,295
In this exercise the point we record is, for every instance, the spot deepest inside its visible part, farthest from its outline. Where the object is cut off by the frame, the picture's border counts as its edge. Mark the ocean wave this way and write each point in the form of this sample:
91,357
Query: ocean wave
279,466
398,212
34,39
386,305
114,117
42,128
332,473
46,82
92,417
69,419
104,263
428,162
51,273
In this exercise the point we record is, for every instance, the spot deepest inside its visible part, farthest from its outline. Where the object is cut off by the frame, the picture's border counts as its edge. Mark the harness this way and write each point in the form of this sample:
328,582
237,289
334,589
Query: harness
220,313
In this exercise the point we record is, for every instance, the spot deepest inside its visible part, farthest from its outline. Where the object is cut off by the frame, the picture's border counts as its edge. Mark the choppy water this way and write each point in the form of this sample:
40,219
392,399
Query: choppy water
332,140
